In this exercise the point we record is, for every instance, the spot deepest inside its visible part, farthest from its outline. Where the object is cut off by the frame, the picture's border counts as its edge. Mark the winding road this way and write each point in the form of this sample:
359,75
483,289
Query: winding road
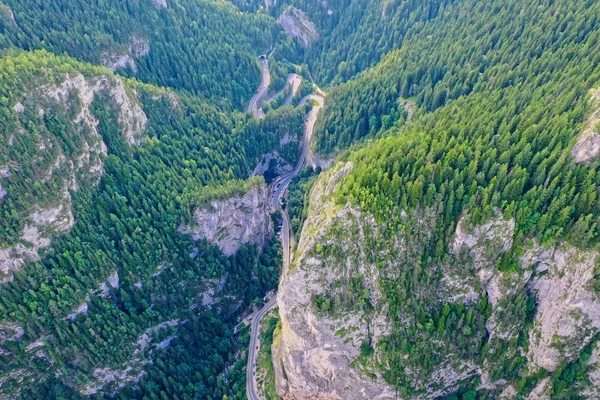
277,190
293,80
261,94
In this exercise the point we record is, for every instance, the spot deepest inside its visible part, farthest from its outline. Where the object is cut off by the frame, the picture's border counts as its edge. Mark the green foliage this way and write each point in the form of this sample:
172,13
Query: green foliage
233,188
472,48
357,33
201,46
270,327
500,105
129,225
298,194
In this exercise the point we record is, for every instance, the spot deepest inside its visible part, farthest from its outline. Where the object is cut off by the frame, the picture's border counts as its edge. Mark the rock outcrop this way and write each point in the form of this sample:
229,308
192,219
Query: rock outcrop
298,26
568,313
314,353
132,118
592,389
45,219
111,380
233,222
137,47
317,354
587,147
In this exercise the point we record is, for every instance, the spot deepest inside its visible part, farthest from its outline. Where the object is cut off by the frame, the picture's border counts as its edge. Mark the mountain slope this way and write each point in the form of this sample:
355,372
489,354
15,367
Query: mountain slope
471,48
99,172
201,46
455,254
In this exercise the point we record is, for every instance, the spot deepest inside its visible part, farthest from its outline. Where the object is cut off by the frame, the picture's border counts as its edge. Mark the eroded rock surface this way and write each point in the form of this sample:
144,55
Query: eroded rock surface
107,379
314,352
54,216
137,48
233,222
298,26
568,310
587,147
592,388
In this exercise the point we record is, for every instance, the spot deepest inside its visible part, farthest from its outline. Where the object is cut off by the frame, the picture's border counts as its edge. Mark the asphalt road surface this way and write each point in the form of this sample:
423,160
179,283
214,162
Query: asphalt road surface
277,190
261,94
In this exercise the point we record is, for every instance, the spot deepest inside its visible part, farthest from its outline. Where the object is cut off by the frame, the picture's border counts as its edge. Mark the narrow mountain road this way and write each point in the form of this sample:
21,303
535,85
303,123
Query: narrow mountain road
293,81
277,190
261,94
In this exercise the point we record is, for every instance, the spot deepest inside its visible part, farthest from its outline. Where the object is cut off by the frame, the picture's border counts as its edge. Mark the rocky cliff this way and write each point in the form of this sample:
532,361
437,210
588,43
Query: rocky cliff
339,324
315,353
298,26
232,222
587,147
57,169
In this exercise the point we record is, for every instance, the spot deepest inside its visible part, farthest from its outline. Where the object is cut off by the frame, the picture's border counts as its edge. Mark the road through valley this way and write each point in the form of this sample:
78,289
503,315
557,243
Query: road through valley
277,191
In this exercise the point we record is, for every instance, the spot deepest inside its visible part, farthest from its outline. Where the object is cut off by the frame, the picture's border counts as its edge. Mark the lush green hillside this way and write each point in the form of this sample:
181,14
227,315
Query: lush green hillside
501,90
202,46
471,48
128,226
448,118
354,35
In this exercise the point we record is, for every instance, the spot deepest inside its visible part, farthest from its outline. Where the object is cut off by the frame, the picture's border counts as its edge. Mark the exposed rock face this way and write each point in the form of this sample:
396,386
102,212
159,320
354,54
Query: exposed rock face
587,147
485,244
138,47
132,118
160,4
298,26
82,309
6,12
110,379
42,221
233,222
568,310
281,166
542,390
312,356
592,389
409,106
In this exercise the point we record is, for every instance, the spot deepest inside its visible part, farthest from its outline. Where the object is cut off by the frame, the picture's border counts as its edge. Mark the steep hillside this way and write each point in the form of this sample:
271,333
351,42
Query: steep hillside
449,251
202,46
469,286
355,34
457,255
99,172
472,47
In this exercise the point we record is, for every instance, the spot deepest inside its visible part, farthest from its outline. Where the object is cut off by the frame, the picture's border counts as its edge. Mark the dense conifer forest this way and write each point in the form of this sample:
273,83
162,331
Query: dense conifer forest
446,109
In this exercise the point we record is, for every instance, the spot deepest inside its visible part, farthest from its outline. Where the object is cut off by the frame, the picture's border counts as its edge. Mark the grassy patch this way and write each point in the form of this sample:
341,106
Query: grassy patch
265,370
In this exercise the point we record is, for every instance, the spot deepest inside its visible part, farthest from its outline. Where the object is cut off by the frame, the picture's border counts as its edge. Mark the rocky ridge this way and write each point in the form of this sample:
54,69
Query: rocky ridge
311,359
297,25
43,220
315,354
230,223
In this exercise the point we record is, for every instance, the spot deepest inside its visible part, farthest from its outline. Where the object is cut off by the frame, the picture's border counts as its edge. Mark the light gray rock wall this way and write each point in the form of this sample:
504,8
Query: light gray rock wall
233,222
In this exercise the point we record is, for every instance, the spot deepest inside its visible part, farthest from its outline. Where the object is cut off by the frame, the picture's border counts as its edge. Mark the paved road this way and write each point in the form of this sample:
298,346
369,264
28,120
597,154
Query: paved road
278,189
261,94
251,389
293,80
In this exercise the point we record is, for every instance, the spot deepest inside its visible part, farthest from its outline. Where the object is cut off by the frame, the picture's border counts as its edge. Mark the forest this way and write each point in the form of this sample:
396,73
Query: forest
502,90
446,108
204,47
129,226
